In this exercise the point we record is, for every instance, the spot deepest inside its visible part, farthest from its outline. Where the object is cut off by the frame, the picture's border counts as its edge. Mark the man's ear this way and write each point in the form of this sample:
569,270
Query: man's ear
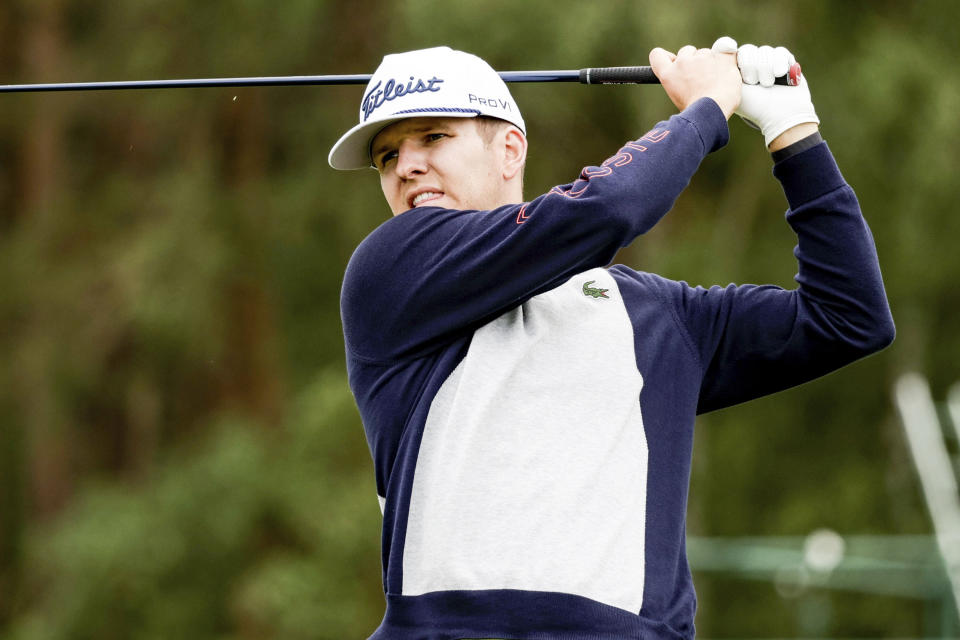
514,152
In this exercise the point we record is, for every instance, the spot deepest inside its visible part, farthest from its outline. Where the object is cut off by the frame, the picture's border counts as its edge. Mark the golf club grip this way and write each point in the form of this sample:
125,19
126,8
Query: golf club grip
645,75
618,75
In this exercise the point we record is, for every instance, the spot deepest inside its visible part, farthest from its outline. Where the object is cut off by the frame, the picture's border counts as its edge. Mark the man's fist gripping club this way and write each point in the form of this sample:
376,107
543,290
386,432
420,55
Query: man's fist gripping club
741,81
783,114
691,74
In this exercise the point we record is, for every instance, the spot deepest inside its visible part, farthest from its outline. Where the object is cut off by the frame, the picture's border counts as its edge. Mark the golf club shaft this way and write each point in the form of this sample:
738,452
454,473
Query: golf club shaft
599,75
508,76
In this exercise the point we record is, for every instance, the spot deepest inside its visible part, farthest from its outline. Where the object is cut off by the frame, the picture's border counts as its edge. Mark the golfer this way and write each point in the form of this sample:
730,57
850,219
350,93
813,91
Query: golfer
530,407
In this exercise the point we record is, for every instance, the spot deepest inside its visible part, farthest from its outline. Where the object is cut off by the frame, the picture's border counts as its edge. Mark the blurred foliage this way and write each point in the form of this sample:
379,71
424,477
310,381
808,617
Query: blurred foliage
179,453
262,532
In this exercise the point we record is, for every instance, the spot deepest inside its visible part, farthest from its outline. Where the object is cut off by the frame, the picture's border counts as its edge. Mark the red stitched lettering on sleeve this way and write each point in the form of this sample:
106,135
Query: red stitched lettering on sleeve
522,216
621,159
656,135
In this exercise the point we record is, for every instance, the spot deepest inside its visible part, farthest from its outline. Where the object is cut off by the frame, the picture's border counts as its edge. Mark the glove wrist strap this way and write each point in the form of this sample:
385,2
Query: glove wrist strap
803,144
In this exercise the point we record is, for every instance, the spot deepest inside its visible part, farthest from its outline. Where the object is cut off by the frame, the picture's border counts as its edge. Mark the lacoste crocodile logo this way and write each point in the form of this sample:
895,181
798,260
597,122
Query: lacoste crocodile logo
594,292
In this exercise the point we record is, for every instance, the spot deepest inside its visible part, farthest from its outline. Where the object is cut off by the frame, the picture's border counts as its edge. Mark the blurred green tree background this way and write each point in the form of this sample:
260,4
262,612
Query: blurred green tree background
180,456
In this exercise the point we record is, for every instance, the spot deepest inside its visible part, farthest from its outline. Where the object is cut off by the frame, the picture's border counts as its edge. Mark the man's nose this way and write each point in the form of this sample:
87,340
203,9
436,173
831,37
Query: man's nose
411,160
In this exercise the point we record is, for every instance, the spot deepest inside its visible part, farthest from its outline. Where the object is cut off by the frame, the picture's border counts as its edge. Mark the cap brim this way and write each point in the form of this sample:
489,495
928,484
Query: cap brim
352,150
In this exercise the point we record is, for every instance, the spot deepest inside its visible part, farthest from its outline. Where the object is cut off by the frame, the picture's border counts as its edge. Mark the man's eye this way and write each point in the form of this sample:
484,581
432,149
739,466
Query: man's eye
432,137
387,157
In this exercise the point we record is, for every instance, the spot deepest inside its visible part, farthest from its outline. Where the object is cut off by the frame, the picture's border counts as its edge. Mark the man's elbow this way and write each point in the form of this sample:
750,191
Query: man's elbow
885,332
856,336
878,334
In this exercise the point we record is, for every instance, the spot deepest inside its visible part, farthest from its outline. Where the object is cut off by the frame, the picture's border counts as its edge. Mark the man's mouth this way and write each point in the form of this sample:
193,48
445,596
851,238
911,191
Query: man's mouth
426,196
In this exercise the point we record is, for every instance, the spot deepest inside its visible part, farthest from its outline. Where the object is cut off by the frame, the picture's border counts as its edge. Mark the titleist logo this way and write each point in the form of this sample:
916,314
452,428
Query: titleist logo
394,89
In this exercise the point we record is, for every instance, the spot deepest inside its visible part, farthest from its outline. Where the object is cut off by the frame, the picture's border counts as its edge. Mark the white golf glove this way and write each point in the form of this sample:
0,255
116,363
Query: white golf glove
769,107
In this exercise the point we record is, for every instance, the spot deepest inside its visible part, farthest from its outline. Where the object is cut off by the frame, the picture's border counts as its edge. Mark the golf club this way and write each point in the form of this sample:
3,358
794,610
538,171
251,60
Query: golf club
599,75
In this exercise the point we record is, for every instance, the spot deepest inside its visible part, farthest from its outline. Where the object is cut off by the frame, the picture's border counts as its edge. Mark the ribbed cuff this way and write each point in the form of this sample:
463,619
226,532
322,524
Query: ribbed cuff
708,119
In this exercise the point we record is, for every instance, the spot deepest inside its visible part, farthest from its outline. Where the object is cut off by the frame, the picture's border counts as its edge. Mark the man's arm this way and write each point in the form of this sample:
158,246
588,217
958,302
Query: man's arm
754,340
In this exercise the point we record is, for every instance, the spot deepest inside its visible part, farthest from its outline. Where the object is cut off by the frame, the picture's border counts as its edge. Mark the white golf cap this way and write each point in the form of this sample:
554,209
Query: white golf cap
438,82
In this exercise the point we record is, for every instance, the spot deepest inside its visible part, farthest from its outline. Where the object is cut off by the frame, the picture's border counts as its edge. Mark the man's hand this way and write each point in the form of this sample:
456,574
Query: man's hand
693,73
783,114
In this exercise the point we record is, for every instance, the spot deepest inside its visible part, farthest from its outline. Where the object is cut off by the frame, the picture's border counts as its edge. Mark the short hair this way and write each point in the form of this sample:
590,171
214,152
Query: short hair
488,126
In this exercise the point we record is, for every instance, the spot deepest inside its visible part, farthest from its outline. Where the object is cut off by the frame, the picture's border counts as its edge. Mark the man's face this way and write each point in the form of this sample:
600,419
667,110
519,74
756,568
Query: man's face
438,162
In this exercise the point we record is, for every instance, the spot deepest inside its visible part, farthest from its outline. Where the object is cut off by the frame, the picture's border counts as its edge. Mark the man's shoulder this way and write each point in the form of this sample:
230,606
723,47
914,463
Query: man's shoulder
373,252
634,278
645,289
391,234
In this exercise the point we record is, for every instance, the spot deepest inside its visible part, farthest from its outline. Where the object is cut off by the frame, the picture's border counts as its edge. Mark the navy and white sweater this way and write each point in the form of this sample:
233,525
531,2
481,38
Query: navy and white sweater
530,410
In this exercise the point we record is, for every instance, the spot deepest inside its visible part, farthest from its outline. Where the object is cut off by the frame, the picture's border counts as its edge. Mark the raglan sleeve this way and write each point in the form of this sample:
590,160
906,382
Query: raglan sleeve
753,340
429,275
